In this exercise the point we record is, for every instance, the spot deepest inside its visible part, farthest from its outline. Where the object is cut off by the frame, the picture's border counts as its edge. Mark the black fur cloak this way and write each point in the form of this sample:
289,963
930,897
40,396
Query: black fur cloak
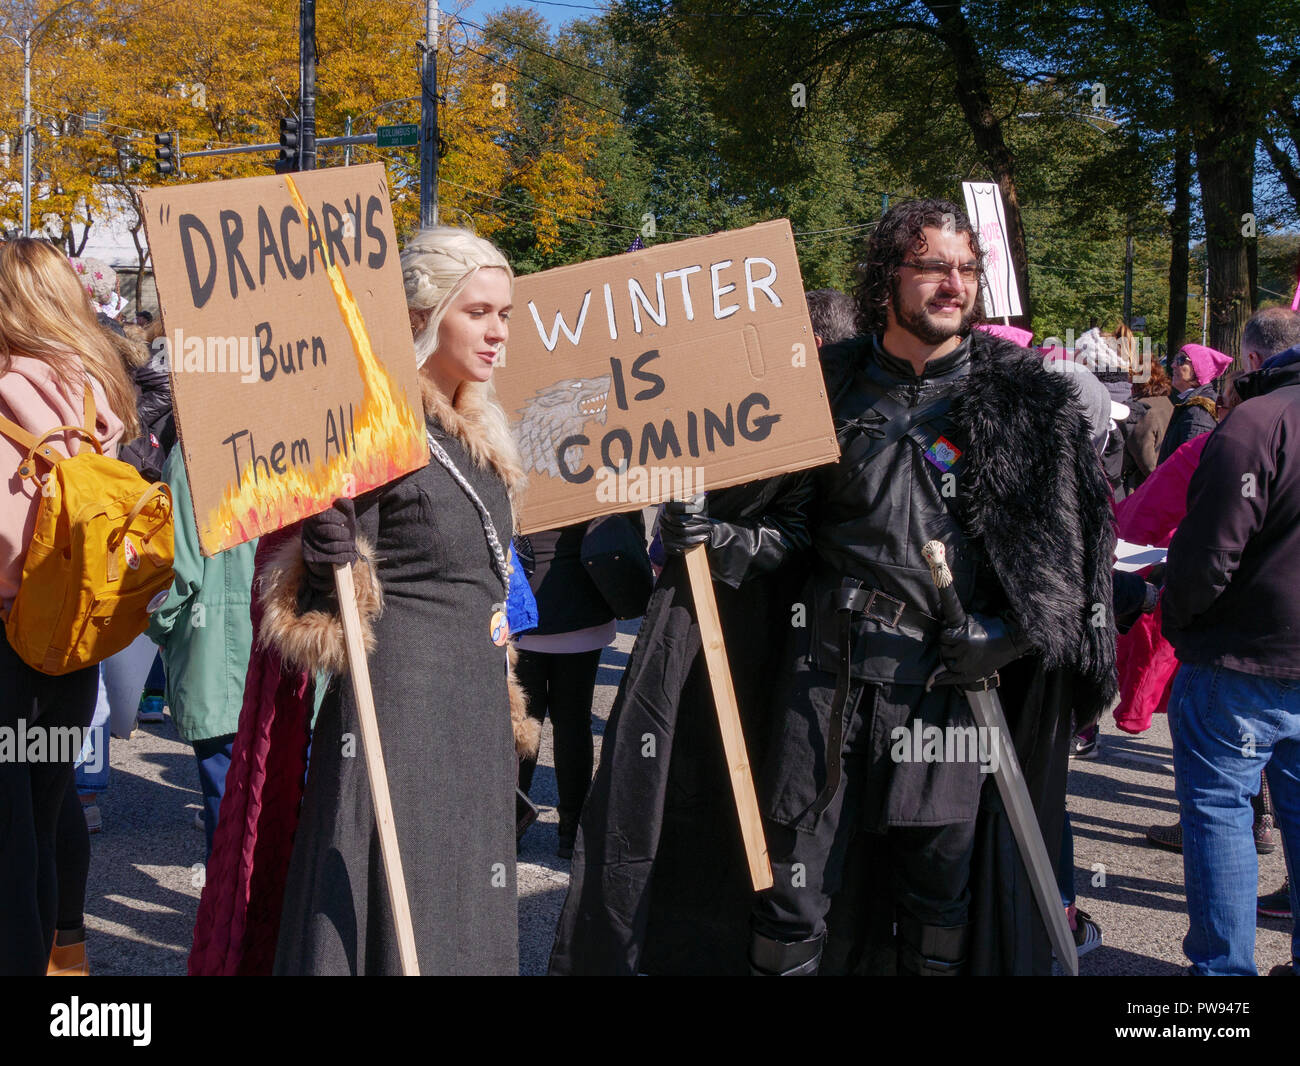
659,881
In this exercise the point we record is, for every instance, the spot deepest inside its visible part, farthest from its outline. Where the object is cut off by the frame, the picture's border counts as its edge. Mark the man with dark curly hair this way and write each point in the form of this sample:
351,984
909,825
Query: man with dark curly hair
944,434
874,786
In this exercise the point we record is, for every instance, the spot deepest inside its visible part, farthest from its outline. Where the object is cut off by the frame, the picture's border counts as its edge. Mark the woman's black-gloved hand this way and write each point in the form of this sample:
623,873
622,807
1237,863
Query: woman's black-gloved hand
977,649
329,539
684,524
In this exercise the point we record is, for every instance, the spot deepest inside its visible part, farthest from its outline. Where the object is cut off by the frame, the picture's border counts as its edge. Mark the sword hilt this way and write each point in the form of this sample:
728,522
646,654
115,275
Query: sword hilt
954,614
936,557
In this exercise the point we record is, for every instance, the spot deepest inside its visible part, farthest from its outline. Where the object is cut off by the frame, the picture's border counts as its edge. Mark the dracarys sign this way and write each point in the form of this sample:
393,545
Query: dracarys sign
657,374
292,365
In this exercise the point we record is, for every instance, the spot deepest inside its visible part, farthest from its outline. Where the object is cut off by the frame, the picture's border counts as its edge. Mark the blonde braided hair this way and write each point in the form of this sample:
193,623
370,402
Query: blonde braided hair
437,264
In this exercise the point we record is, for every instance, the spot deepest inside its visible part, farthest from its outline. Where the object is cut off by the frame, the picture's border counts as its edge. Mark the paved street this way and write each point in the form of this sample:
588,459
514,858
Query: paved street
146,865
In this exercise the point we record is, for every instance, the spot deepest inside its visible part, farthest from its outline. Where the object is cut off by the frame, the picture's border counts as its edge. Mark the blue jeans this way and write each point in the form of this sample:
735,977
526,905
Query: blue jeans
92,764
1227,726
213,757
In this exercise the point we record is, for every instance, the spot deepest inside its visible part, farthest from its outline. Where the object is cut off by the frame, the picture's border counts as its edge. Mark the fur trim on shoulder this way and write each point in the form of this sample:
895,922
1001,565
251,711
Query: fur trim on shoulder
313,640
528,731
1039,500
477,420
1204,403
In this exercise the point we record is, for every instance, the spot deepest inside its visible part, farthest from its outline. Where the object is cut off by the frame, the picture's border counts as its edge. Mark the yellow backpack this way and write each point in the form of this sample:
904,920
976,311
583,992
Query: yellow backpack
100,557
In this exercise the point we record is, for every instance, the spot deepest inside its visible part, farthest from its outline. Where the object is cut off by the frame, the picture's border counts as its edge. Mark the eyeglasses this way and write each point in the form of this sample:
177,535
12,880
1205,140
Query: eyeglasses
938,270
1182,360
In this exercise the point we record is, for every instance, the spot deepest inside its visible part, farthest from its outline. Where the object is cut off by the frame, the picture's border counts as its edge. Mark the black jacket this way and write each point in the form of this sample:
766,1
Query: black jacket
1234,564
659,881
567,598
149,451
1193,415
1032,493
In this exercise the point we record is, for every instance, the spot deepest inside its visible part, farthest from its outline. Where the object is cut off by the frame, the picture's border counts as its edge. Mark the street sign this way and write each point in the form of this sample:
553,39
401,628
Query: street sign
1139,323
408,133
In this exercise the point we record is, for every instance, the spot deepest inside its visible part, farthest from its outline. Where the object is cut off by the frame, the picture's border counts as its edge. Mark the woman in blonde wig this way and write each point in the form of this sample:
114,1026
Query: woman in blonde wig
51,351
428,551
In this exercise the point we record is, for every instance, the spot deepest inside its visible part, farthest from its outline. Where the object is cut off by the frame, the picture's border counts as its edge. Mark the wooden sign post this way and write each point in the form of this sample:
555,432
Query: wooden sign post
724,703
278,296
660,374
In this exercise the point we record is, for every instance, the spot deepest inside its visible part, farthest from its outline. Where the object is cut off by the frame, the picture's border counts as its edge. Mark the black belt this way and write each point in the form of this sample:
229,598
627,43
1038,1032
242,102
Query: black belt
851,599
882,607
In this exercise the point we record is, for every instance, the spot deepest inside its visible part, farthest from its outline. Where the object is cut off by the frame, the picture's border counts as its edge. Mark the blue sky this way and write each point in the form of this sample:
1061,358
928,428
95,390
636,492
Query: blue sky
555,13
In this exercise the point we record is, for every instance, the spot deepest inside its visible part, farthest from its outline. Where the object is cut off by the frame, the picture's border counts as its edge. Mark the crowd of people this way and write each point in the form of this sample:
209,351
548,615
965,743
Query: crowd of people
1024,462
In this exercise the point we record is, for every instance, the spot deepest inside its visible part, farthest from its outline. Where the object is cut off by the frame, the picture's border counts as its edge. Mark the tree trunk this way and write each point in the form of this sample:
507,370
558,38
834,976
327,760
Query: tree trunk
986,128
1180,235
1227,170
1225,120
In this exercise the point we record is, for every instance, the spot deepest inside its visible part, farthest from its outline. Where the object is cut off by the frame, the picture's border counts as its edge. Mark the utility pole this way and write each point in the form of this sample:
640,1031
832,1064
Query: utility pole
307,84
1128,277
26,45
27,132
429,117
1205,302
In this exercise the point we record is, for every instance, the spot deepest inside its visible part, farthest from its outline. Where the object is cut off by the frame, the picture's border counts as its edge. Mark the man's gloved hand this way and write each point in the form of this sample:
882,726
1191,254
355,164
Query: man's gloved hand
977,649
684,524
328,539
1156,576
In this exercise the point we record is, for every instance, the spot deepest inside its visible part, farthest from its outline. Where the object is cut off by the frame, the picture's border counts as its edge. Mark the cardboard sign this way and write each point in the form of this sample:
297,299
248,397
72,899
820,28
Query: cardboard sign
662,373
292,365
1001,292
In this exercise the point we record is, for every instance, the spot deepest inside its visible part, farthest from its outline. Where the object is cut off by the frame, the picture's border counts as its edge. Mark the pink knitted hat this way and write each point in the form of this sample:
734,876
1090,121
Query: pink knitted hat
1207,362
1014,334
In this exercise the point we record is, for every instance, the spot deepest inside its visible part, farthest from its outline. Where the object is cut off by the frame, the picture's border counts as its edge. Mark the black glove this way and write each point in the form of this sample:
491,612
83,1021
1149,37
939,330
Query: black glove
684,524
1156,575
329,539
977,649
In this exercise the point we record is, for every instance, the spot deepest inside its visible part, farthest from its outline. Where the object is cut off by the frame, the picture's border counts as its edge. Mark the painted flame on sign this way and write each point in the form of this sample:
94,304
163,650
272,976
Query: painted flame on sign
389,438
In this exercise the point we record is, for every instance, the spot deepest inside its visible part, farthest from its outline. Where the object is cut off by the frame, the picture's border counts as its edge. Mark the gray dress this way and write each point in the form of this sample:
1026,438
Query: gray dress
444,720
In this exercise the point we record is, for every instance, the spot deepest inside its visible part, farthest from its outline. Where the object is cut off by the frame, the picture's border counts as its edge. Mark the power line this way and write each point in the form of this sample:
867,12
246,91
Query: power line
574,218
602,74
210,141
837,229
579,7
502,63
619,226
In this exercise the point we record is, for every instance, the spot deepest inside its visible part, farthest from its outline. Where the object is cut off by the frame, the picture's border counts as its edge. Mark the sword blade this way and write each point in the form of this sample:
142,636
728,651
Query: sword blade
987,709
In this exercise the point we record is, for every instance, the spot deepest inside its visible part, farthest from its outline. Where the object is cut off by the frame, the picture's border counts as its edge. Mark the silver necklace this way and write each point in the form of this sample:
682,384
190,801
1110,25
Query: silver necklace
497,627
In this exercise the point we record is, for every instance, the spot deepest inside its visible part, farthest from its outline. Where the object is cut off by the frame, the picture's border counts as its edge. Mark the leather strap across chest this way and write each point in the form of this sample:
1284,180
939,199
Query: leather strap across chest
885,422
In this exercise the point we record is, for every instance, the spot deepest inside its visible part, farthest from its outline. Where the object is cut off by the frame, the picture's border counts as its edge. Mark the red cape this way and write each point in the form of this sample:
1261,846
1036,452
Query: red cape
239,911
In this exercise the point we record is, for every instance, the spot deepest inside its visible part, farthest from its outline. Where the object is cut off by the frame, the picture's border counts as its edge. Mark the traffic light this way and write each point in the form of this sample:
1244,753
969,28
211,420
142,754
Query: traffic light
164,152
288,144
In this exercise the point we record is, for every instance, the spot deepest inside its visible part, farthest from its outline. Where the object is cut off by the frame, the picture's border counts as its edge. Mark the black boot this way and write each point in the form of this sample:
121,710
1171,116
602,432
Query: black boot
773,958
568,834
930,950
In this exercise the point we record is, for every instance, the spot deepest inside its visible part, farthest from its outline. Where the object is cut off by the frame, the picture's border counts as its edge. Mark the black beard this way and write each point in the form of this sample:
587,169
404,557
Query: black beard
924,330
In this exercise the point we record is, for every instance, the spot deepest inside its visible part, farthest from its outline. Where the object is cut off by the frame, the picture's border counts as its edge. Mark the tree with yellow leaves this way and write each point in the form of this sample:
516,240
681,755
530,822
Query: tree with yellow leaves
220,75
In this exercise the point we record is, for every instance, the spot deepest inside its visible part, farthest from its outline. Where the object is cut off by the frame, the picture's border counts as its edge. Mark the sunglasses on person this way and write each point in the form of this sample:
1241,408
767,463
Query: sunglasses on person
1182,360
938,270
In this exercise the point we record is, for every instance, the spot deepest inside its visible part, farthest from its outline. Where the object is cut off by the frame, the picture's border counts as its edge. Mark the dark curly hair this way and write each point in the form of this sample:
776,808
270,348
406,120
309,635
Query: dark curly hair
895,239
